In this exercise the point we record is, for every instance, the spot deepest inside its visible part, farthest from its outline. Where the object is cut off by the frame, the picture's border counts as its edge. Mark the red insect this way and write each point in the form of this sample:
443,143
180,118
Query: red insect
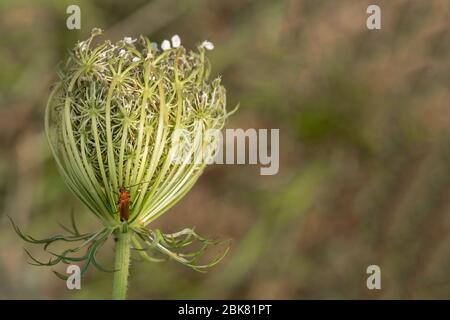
124,204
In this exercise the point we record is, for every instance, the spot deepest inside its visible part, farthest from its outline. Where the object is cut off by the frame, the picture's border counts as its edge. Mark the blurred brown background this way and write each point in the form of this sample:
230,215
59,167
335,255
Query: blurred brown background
364,140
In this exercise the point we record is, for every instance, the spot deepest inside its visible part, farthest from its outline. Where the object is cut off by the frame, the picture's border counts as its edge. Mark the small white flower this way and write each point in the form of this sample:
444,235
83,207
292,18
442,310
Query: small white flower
165,45
207,45
136,59
176,41
129,40
82,45
122,53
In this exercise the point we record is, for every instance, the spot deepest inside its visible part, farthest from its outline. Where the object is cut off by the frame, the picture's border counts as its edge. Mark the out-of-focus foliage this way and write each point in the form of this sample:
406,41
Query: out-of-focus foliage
364,139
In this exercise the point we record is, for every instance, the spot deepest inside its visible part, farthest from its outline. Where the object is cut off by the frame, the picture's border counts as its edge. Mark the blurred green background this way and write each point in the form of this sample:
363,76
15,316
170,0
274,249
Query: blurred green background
364,148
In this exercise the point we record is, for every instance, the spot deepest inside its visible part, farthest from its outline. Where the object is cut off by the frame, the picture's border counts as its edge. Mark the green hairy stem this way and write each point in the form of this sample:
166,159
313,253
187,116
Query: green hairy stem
121,265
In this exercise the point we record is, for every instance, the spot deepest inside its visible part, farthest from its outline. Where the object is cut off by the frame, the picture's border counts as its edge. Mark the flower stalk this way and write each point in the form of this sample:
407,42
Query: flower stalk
121,265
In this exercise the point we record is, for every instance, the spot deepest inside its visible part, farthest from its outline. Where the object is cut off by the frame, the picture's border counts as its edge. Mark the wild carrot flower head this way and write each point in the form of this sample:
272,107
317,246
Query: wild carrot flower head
114,120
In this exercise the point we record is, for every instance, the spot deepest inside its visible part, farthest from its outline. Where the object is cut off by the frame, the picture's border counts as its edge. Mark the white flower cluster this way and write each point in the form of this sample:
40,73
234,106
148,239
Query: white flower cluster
175,42
129,40
122,49
207,45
